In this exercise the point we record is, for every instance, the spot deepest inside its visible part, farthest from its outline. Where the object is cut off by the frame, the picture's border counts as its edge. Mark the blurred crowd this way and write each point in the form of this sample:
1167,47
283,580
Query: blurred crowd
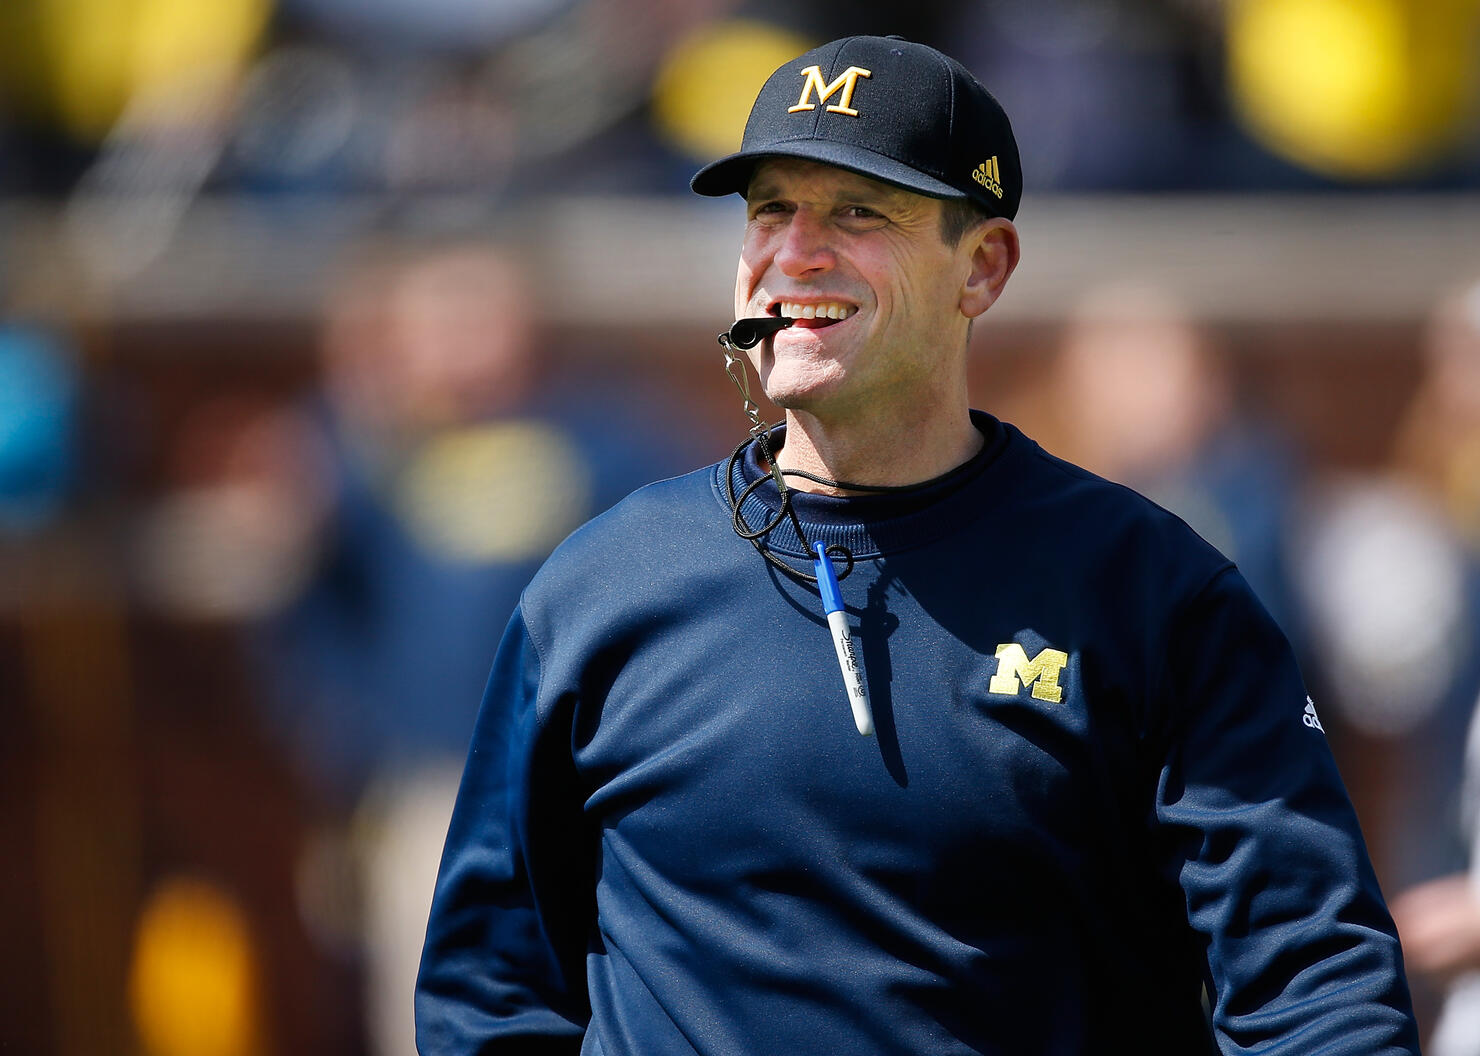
252,621
252,577
517,96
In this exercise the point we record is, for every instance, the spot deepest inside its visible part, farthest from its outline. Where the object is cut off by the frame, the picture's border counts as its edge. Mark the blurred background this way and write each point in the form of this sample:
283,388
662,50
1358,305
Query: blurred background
322,321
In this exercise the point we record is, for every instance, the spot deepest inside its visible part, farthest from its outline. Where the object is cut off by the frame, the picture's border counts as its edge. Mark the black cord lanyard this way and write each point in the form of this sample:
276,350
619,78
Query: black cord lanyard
747,333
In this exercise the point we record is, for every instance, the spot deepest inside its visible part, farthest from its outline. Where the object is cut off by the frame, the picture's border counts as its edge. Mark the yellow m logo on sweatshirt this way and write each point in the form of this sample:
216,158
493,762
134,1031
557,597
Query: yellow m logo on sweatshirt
1015,670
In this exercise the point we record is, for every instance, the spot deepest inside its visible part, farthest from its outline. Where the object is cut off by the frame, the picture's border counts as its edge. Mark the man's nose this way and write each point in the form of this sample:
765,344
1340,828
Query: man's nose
805,247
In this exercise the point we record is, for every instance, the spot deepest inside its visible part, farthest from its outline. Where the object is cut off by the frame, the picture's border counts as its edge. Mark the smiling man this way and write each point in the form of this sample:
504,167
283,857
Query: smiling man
883,298
1092,811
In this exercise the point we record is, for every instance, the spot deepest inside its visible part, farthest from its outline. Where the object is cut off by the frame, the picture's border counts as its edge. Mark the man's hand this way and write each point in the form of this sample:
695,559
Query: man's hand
1439,925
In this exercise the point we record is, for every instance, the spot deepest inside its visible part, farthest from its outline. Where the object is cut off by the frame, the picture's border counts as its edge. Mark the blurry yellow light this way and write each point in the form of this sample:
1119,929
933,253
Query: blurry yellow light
192,981
1353,88
709,80
499,492
95,56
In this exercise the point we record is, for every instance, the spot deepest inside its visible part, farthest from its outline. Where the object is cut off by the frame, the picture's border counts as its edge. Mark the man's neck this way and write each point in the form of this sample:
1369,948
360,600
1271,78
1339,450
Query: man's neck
879,452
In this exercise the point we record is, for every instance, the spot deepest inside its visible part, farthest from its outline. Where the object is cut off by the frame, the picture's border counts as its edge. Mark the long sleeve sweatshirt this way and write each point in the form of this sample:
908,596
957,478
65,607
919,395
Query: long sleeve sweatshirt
1098,814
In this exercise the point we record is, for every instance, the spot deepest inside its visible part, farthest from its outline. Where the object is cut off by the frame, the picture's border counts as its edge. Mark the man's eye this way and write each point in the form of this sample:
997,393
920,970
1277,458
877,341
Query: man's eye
861,216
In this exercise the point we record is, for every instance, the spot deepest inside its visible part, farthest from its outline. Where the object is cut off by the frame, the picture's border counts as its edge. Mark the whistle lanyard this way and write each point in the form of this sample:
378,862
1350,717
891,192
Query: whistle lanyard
746,333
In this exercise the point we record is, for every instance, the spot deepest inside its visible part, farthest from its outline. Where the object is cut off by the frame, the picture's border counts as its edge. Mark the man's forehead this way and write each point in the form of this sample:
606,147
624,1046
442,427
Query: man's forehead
779,176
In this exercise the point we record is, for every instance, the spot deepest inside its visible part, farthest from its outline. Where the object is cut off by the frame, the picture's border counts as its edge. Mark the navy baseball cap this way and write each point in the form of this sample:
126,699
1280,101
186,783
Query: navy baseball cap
887,108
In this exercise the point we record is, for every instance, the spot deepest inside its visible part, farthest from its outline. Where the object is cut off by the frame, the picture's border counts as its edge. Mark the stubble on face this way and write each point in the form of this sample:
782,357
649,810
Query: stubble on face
818,234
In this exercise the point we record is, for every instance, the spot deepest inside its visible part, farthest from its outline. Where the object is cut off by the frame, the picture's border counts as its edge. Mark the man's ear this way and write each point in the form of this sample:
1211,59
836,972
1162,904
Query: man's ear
994,254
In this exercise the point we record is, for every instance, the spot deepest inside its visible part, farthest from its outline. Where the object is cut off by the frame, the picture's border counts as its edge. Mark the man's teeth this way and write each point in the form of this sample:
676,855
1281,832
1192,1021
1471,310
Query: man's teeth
831,310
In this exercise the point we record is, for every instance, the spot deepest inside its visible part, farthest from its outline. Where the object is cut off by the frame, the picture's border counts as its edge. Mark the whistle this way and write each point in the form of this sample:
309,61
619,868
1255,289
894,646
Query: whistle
747,333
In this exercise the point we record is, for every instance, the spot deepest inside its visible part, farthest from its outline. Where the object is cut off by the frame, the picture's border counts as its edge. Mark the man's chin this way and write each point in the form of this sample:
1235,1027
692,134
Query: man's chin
799,397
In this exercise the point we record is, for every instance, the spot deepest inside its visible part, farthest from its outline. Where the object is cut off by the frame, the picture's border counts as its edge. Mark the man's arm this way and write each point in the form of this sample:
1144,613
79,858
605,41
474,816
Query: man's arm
1259,832
503,967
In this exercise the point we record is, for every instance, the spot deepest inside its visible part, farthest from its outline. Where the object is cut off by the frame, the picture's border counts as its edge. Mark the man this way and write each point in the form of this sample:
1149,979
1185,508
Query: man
453,461
1097,814
1440,917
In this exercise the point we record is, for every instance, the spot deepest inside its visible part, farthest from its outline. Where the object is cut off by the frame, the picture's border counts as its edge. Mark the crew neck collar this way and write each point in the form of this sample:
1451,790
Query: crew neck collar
873,524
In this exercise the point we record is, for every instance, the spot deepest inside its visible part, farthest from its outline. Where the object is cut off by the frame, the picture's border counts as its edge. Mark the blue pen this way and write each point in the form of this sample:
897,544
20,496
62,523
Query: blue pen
837,622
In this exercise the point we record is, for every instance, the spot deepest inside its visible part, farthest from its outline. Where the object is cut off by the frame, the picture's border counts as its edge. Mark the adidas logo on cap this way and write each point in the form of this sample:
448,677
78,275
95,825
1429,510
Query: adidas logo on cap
1310,718
989,175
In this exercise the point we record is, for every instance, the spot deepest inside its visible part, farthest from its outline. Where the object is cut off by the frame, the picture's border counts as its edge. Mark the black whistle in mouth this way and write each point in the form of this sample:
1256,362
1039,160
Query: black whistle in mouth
747,333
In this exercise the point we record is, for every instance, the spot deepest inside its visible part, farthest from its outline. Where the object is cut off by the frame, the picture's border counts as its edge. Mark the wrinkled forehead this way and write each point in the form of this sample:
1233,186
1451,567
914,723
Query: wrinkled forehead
791,177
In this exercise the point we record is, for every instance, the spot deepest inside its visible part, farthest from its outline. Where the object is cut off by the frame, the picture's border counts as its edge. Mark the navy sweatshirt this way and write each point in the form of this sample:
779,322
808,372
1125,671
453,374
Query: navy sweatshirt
1097,814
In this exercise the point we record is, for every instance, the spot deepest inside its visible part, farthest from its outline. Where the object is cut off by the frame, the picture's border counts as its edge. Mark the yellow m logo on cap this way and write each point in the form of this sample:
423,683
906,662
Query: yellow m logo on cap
845,83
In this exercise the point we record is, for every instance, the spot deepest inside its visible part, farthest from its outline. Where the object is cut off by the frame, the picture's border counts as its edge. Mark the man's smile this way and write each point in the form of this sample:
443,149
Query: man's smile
813,315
